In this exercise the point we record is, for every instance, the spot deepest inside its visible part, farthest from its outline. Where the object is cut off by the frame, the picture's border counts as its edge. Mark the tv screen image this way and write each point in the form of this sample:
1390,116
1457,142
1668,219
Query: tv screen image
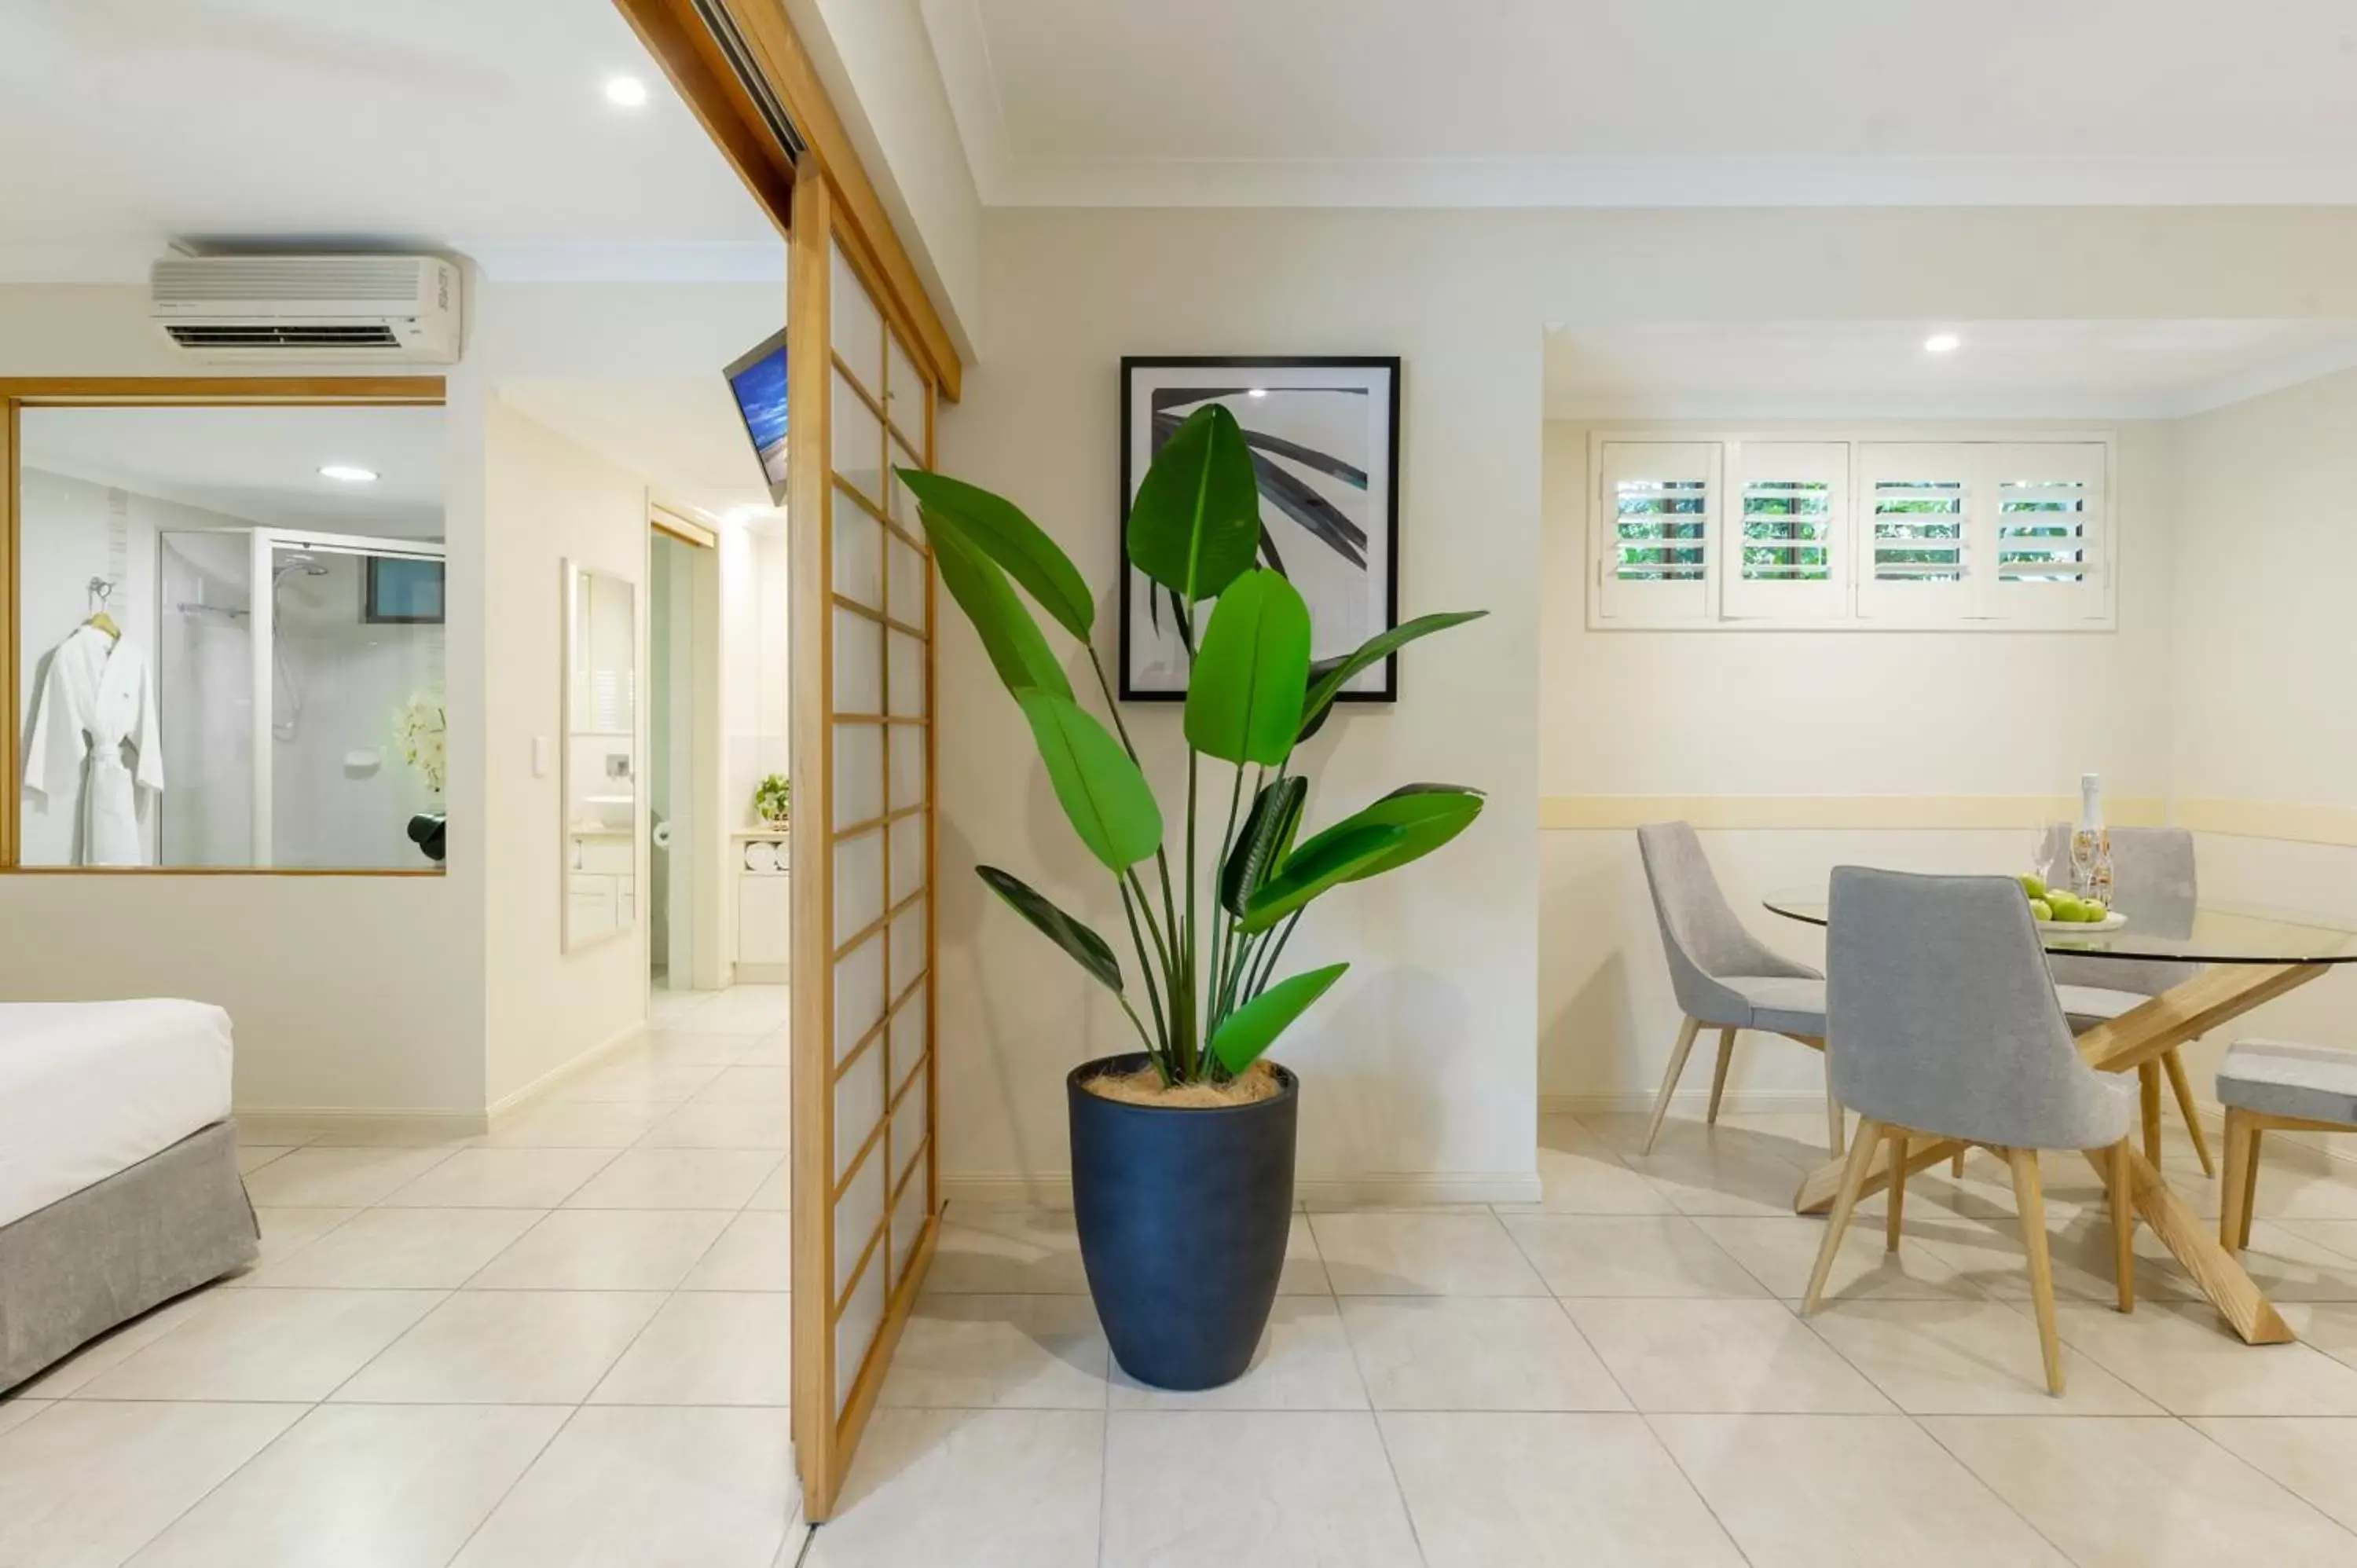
758,382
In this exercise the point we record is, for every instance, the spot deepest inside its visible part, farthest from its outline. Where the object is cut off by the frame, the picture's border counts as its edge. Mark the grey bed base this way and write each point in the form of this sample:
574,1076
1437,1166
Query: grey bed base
103,1255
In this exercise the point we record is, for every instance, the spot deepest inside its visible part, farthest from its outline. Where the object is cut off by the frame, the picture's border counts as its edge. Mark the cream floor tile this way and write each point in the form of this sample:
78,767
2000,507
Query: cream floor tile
764,1051
339,1178
402,1249
738,1084
1730,1357
708,1348
1475,1353
1782,1254
675,1178
287,1231
744,1010
1579,1174
624,1487
2315,1456
2188,1361
701,1124
1819,1491
2288,1191
268,1127
1303,1362
1037,1352
506,1347
1630,1255
88,1485
1013,1251
605,1250
265,1345
391,1488
112,1349
2290,1260
576,1125
996,1488
502,1178
690,1046
1305,1271
15,1412
1988,1253
1416,1252
1967,1358
1267,1489
2126,1493
2329,1326
755,1252
637,1079
669,1009
775,1195
1549,1491
252,1158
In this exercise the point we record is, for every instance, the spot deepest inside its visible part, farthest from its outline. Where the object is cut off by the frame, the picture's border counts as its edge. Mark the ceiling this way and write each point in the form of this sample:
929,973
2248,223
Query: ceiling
2023,370
1652,102
258,464
473,125
686,435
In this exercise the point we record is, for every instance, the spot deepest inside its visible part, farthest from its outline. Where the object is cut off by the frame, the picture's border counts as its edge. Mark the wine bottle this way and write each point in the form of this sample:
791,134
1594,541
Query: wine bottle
2091,845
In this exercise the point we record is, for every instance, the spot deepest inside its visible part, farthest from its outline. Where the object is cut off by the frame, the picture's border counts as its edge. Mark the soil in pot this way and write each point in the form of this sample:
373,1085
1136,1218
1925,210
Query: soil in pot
1143,1086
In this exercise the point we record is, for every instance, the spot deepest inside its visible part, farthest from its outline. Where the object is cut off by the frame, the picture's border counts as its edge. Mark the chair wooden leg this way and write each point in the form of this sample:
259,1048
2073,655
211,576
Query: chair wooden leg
2030,1199
2116,1178
2174,1065
1956,1165
1898,1192
2241,1143
1719,1075
1686,1033
1835,1120
2149,1092
1861,1159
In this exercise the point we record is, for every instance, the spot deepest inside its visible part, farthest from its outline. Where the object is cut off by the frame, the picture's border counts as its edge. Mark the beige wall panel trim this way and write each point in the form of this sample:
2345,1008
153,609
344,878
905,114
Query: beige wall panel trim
1821,813
2269,819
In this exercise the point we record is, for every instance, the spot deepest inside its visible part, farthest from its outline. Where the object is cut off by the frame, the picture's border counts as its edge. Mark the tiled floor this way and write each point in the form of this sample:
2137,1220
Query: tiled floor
563,1344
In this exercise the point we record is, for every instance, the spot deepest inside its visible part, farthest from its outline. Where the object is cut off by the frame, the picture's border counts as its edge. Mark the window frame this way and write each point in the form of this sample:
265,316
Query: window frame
18,393
1978,607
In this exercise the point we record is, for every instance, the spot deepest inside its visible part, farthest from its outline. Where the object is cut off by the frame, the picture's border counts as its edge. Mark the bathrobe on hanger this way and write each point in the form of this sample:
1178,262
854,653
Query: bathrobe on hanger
95,743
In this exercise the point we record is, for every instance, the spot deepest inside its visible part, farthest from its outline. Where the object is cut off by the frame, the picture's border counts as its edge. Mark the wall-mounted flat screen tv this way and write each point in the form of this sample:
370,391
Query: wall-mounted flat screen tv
758,381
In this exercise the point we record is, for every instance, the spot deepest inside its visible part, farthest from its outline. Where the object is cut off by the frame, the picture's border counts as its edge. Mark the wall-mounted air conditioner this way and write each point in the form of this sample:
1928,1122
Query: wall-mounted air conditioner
298,308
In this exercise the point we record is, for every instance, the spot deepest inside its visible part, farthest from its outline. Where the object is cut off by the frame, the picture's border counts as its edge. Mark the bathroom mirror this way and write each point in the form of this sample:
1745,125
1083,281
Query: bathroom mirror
601,758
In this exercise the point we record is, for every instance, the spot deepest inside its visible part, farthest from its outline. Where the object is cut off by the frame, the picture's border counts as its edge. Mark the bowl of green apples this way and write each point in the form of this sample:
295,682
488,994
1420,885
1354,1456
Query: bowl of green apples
2060,910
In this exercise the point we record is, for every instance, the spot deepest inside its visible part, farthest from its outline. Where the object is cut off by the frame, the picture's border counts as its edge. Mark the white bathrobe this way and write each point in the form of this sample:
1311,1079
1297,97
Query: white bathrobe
95,743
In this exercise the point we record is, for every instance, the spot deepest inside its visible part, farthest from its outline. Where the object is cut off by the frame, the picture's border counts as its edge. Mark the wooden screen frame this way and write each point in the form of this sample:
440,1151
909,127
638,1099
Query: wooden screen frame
18,393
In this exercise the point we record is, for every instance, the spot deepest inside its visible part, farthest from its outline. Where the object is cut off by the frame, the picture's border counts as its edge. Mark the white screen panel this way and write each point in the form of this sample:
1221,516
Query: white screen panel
858,556
908,1126
858,883
857,326
907,671
858,443
858,776
907,1224
858,993
905,595
907,869
858,1106
858,663
905,1038
907,402
909,942
856,1215
908,743
855,1331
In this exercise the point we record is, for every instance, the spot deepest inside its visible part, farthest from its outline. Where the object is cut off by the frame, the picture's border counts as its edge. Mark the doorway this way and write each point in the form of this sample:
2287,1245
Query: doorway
687,946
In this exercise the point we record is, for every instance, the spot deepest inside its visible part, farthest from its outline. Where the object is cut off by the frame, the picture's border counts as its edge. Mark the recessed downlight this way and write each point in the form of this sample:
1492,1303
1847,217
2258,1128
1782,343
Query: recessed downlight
1257,392
626,92
348,473
1942,343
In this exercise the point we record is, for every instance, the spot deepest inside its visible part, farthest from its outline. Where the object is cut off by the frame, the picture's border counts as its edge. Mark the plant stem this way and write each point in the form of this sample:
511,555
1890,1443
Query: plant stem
1225,931
1153,992
1160,1066
1276,950
1188,1054
1161,855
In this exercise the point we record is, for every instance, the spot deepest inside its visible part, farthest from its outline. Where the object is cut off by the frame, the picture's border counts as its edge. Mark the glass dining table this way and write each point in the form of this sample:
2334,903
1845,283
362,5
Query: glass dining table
2244,958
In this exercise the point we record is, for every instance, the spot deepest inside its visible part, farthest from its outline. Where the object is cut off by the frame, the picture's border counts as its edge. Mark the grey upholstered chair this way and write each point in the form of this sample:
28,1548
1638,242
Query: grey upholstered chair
2154,883
2270,1086
1723,976
1942,1024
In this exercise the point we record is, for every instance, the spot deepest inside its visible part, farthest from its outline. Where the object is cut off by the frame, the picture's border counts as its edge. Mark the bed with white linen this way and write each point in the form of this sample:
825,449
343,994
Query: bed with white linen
118,1168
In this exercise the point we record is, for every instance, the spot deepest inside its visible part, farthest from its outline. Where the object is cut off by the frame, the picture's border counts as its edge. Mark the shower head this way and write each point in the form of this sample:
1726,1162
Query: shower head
308,565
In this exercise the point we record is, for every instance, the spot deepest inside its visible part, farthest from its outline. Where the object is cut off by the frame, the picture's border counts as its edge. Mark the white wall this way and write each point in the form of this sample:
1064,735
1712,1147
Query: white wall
1425,1059
754,680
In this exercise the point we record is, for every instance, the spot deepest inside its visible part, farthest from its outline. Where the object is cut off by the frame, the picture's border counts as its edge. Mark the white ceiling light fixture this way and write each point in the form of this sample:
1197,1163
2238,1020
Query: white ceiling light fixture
348,473
1942,343
1259,392
626,92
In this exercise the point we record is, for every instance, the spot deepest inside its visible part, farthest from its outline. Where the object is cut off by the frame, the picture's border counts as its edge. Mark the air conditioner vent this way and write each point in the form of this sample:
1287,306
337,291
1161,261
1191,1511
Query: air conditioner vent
320,309
375,335
393,280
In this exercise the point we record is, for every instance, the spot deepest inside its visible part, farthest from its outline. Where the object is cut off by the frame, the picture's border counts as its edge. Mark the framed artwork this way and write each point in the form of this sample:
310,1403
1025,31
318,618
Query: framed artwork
1324,436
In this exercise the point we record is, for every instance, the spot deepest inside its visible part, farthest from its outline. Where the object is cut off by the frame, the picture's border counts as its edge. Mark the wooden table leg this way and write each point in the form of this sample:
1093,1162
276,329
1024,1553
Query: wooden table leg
1818,1187
2237,1298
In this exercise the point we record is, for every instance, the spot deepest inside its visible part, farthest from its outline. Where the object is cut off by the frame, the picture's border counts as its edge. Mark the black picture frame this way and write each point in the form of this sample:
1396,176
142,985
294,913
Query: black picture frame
1385,689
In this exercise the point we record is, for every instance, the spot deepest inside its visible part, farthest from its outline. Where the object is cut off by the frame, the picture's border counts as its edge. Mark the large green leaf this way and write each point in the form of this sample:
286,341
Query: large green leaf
1429,814
1252,1029
998,527
1013,639
1335,856
1194,524
1330,675
1244,696
1267,834
1089,950
1101,790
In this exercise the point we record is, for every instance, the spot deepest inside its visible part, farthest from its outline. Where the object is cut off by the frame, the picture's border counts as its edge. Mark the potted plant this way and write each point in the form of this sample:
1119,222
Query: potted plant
773,801
1183,1150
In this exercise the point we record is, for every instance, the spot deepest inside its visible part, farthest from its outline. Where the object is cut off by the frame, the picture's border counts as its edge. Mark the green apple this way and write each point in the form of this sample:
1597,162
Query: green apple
2062,902
2034,886
2091,910
2039,909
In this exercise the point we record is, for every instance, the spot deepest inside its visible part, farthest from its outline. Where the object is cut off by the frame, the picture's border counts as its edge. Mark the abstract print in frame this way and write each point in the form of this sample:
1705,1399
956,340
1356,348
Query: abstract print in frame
1324,438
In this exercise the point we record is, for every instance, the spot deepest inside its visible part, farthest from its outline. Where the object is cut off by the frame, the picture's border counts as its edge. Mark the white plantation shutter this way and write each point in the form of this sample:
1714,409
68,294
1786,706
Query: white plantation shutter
1918,558
1787,544
1657,515
2049,514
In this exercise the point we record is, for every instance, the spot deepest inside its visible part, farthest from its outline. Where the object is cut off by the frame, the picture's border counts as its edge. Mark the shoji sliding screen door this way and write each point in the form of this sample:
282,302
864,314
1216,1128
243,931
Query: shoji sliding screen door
860,404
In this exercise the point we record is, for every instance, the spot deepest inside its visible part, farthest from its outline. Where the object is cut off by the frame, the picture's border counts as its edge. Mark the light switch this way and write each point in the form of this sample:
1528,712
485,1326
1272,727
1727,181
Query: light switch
544,756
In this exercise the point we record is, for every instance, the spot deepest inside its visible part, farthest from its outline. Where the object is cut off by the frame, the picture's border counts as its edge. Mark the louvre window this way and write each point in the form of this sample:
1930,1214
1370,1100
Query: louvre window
1787,556
1662,508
